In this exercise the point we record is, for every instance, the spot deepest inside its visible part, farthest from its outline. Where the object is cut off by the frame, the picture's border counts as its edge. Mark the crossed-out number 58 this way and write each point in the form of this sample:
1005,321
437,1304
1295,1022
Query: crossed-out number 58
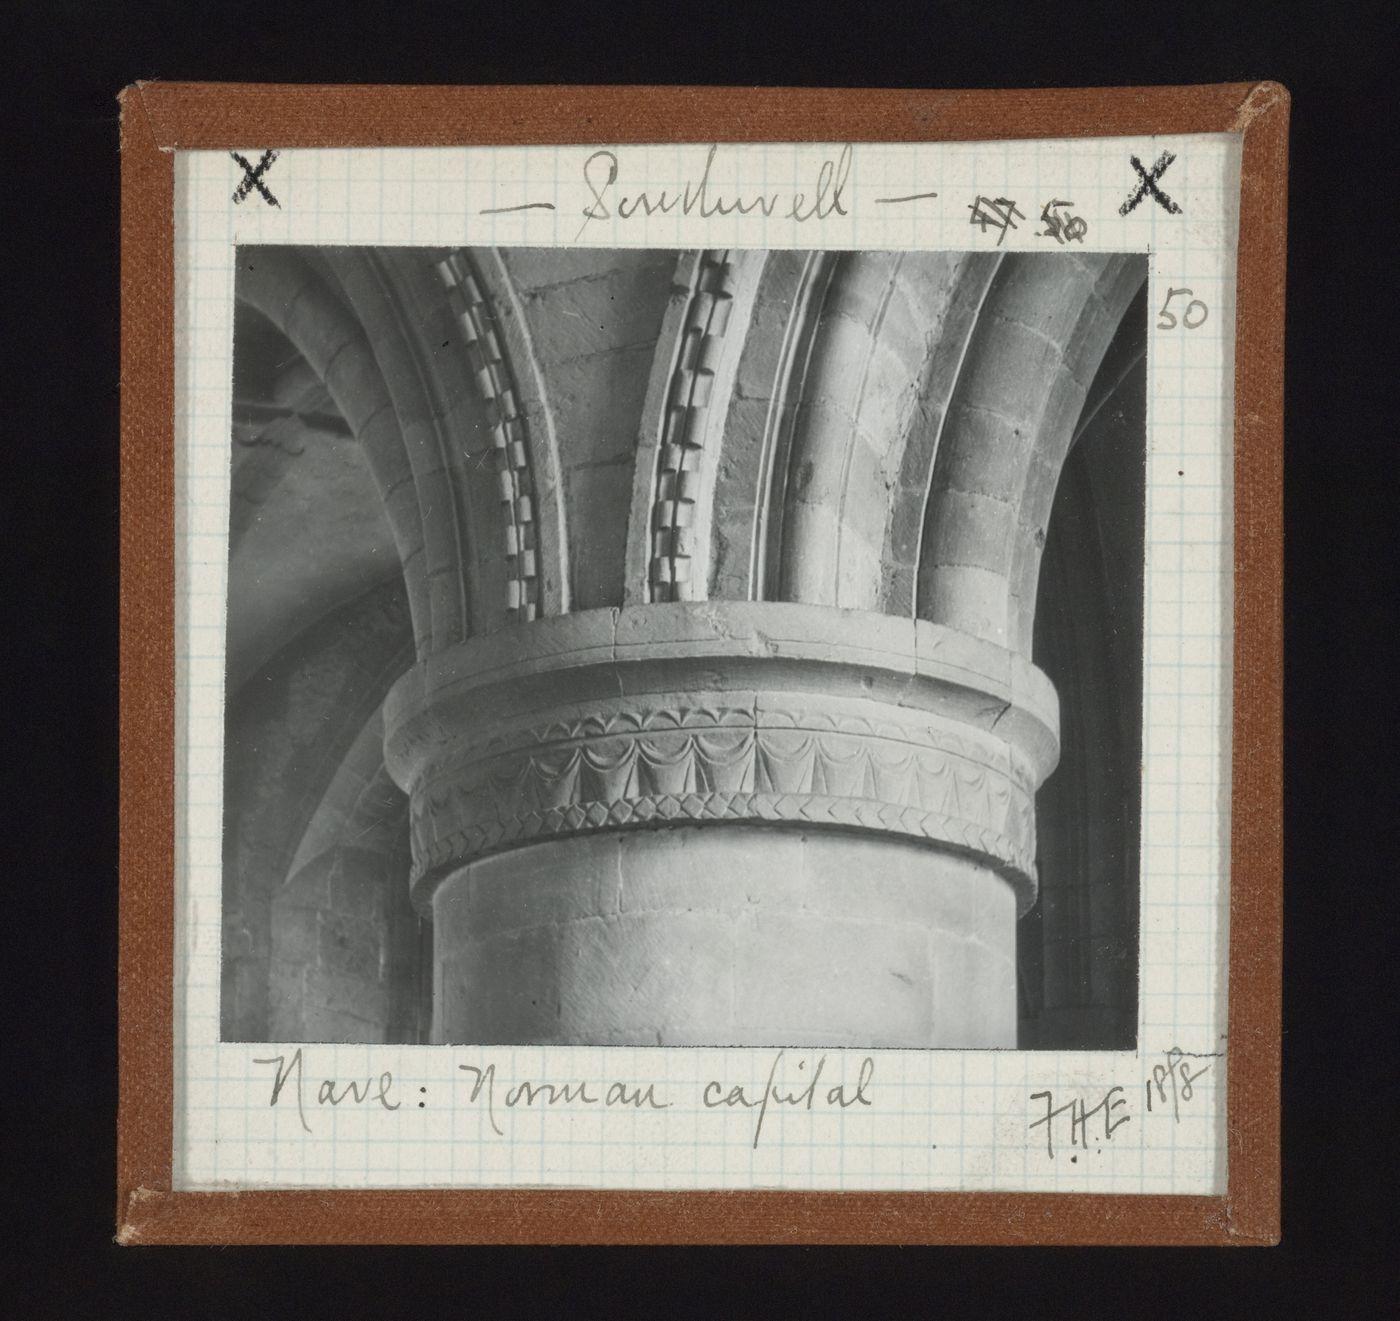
1192,316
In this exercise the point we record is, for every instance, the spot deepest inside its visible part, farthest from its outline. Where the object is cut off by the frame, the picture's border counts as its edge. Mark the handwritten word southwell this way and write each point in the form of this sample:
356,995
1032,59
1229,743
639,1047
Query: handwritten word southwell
611,196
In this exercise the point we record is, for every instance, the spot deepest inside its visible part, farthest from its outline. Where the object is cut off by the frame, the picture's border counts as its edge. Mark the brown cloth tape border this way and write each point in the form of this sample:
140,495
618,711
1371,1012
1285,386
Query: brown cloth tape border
158,118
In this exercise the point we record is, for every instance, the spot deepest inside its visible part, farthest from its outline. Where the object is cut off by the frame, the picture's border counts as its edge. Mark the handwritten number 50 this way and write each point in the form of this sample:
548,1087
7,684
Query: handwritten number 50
1192,317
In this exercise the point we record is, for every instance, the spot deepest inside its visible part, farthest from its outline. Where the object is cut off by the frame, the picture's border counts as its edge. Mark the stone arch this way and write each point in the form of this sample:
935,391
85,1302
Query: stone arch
590,324
676,512
846,370
1042,331
282,285
431,362
395,310
858,406
493,351
761,414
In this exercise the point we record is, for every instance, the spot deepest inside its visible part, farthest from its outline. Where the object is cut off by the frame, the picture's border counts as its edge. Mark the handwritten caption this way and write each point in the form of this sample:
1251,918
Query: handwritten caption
827,195
791,1084
1071,1122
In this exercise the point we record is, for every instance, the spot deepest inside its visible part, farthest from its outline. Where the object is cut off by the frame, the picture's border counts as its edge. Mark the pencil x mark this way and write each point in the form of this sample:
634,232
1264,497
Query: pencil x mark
253,178
1149,185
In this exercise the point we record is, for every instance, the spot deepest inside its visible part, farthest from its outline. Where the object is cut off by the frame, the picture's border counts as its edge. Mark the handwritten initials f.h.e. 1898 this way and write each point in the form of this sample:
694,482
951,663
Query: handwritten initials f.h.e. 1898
1084,1127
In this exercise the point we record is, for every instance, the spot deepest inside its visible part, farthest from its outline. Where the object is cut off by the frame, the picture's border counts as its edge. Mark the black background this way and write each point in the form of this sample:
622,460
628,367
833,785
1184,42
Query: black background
65,63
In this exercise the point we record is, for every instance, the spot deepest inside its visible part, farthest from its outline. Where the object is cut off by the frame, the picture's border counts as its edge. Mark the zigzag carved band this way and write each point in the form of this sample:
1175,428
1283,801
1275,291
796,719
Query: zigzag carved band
722,713
798,809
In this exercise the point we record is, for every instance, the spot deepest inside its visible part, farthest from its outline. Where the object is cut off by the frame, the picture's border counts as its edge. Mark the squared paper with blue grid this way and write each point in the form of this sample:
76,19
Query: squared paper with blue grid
944,1119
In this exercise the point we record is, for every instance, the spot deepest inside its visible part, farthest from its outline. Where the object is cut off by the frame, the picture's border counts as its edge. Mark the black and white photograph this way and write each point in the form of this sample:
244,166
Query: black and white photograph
640,647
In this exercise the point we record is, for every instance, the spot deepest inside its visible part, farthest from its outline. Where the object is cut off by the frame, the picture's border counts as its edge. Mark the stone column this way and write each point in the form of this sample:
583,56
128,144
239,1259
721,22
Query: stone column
724,823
